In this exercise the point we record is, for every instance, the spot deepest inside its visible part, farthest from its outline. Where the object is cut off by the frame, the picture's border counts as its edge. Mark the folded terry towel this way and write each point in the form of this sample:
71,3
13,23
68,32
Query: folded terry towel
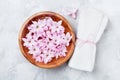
90,28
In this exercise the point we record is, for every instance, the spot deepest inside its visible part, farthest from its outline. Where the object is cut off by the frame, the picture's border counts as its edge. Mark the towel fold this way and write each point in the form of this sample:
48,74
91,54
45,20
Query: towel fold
90,28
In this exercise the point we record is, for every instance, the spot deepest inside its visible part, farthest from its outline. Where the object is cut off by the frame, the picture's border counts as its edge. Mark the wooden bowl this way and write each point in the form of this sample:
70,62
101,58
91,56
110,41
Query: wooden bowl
24,31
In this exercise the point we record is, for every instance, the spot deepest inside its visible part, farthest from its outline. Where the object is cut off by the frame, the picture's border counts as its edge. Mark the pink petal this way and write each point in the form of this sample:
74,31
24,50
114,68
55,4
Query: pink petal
46,39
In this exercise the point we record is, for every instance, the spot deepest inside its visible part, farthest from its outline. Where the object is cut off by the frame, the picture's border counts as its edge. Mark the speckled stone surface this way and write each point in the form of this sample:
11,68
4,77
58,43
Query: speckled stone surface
13,66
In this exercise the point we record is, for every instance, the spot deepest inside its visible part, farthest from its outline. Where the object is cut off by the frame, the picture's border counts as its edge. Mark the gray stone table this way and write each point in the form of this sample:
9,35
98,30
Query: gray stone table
13,66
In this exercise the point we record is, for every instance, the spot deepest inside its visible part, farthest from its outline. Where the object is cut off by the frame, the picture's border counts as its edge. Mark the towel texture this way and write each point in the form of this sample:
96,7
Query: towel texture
90,28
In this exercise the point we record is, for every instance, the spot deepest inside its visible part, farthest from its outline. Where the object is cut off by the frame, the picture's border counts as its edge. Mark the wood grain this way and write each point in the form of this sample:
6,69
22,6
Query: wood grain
56,17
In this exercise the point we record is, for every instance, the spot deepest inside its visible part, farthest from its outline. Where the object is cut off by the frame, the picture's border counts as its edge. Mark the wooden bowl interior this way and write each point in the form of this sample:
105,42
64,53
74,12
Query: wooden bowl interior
55,17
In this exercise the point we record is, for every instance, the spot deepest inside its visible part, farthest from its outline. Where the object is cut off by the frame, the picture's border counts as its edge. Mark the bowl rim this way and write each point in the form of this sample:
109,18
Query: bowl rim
33,16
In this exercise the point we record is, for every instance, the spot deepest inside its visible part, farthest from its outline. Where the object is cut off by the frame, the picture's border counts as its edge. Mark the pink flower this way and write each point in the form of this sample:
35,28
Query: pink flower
38,59
48,34
68,38
48,58
28,42
46,39
72,12
34,50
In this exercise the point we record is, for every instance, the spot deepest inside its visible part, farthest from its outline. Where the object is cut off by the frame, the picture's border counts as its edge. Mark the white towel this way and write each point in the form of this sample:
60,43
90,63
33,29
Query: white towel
90,28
